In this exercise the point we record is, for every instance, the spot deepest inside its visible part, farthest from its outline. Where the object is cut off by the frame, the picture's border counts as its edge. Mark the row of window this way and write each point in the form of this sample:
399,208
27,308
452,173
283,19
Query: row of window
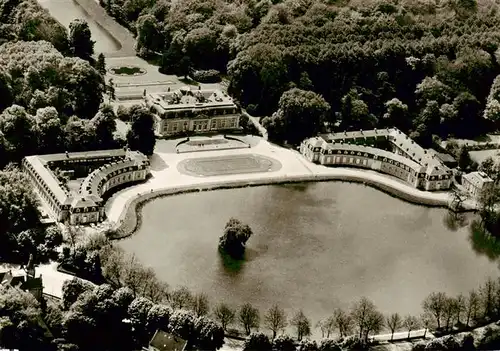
191,113
202,125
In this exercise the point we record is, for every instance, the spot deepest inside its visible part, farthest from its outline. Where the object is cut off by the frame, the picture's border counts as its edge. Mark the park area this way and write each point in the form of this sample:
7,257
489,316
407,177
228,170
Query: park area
225,165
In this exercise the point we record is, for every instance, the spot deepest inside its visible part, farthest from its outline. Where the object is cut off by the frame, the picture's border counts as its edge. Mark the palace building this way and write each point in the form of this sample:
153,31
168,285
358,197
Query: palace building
387,151
101,171
187,110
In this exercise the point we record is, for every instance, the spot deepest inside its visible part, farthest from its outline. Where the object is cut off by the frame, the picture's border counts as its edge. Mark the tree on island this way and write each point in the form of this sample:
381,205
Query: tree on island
235,236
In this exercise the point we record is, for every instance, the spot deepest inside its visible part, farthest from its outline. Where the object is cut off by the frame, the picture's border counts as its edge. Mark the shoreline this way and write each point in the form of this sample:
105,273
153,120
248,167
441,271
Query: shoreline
130,218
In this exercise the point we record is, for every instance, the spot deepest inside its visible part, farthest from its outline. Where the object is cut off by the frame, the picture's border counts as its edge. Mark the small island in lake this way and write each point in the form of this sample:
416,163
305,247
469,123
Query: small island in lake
235,236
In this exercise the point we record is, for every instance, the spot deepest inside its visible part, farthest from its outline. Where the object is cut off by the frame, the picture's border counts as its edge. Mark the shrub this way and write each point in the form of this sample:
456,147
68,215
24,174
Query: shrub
123,113
329,345
419,346
468,342
251,109
491,340
283,343
308,345
206,76
257,342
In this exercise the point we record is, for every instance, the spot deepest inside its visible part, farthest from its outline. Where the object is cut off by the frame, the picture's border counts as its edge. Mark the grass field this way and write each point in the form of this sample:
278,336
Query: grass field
225,165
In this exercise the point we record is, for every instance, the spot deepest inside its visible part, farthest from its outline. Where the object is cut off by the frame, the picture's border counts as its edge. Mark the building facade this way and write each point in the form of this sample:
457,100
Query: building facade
108,169
477,182
405,159
199,111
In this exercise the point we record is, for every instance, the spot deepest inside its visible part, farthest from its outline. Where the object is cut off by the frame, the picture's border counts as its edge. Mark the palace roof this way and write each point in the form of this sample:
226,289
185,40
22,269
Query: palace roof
422,160
190,99
84,198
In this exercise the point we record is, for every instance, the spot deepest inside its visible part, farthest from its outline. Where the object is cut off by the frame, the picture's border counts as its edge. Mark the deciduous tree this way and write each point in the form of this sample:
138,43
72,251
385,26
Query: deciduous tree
249,317
302,114
235,236
435,304
302,324
224,314
394,322
200,304
141,135
275,319
410,323
80,39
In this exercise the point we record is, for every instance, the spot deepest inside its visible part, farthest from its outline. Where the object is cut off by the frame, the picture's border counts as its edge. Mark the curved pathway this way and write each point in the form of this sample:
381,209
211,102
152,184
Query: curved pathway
167,180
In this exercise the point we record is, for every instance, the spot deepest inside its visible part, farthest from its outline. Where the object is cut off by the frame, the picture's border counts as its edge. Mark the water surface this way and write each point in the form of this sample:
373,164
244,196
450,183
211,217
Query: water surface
316,246
66,11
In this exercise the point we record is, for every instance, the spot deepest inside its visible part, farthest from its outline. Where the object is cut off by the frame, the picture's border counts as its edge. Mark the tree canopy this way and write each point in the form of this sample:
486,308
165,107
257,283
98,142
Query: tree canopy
235,236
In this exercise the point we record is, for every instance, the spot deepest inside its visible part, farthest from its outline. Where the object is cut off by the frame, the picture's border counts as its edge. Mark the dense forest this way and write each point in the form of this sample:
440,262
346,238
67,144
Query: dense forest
424,66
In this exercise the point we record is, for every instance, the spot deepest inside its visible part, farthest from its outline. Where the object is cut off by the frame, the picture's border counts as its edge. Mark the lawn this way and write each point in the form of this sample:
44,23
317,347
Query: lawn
480,156
127,71
225,165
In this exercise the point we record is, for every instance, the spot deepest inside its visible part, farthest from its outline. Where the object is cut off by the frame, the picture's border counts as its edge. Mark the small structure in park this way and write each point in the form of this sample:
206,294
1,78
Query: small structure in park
477,182
163,341
96,172
25,281
185,110
387,151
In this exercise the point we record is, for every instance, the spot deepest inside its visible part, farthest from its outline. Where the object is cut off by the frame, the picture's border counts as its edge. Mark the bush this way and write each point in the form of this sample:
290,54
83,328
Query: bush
251,109
123,113
207,76
468,342
283,343
491,340
419,346
308,345
257,342
329,345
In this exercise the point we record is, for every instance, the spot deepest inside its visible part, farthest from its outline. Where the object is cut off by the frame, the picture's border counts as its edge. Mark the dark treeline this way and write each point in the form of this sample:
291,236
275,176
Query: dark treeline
437,60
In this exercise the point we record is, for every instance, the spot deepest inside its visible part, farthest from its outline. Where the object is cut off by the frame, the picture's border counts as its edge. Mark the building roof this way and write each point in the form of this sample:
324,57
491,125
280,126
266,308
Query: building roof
357,134
88,195
187,98
48,178
423,161
40,164
379,152
163,341
478,179
89,186
447,158
84,155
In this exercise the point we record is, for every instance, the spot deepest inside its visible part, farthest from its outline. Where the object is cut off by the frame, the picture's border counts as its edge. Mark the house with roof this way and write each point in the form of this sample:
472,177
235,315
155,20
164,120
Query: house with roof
24,280
476,183
163,341
388,151
187,110
102,171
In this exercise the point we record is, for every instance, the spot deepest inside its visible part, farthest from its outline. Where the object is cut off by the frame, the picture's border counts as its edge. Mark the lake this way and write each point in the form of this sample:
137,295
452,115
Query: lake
66,11
315,246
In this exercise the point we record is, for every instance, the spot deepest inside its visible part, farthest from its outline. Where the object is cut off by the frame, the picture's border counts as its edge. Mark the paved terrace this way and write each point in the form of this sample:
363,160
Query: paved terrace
166,178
